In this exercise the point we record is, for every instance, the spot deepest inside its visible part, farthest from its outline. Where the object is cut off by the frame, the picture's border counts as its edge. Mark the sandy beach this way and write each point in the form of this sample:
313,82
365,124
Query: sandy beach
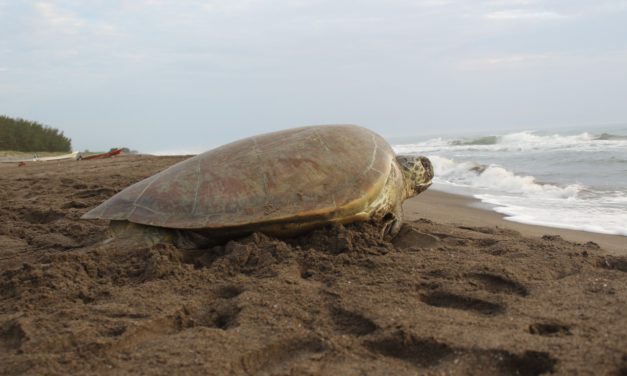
459,291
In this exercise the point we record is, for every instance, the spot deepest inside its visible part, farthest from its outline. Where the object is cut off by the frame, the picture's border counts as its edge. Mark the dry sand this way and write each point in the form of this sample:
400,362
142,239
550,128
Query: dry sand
459,291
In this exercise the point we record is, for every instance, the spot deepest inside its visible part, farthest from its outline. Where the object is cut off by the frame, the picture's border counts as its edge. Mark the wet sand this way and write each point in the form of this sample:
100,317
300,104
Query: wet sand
465,211
459,291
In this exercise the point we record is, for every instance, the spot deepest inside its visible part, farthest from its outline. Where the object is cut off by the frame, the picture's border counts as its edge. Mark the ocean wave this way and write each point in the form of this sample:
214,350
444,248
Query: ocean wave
521,198
497,179
519,141
608,136
578,179
487,140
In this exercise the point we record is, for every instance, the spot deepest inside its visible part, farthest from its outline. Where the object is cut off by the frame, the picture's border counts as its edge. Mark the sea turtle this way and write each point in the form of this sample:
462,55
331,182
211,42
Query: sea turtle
282,184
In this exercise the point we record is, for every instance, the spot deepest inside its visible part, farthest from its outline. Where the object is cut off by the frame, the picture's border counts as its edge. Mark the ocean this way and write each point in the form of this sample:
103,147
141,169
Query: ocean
571,178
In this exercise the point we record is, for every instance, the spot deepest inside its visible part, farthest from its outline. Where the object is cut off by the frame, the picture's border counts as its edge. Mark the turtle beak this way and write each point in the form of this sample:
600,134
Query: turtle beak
427,175
426,164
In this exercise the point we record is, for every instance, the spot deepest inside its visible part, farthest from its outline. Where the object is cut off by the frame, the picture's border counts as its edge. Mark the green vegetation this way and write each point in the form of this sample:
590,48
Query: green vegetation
29,136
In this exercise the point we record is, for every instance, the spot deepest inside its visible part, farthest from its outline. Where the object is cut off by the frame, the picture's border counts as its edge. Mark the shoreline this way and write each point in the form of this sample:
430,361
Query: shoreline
450,208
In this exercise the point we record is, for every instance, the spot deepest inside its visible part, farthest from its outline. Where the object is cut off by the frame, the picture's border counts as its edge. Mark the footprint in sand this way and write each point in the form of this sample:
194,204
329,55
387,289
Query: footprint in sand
498,284
410,238
550,329
351,323
426,353
281,357
444,299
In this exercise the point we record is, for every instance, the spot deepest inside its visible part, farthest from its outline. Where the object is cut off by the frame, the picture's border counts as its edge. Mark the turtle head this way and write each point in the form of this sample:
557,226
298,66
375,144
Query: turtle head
417,171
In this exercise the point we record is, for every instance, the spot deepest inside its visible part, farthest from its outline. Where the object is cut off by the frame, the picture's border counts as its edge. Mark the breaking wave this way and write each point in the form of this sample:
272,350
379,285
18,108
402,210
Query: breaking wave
494,178
487,140
520,141
608,136
521,198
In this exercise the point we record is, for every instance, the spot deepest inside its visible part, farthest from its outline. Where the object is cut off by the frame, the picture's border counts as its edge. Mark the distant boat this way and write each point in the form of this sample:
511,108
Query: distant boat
36,158
103,155
73,155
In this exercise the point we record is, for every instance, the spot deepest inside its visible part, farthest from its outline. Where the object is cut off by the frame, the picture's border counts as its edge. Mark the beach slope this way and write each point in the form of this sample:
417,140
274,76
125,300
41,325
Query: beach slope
459,291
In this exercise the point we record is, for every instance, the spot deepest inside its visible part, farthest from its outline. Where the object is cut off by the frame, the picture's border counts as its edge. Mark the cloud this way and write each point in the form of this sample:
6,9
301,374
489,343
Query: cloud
523,14
434,3
228,5
511,2
509,62
62,21
532,61
611,6
58,20
618,58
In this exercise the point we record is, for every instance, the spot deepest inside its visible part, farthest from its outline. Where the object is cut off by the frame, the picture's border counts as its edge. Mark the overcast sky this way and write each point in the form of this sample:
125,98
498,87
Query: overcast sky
158,75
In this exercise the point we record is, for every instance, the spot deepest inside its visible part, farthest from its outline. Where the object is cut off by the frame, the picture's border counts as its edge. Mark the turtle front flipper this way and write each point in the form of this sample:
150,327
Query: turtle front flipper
392,222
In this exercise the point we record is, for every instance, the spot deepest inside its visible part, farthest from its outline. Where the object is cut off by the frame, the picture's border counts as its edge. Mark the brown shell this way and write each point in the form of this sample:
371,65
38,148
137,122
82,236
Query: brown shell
296,174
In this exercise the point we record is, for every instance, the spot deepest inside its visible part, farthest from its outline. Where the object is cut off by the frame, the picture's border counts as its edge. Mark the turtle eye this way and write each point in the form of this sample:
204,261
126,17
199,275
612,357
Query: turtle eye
426,164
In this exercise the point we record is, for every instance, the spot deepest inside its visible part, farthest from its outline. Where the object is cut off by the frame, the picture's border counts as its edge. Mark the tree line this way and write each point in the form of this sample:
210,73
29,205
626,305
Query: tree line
30,136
